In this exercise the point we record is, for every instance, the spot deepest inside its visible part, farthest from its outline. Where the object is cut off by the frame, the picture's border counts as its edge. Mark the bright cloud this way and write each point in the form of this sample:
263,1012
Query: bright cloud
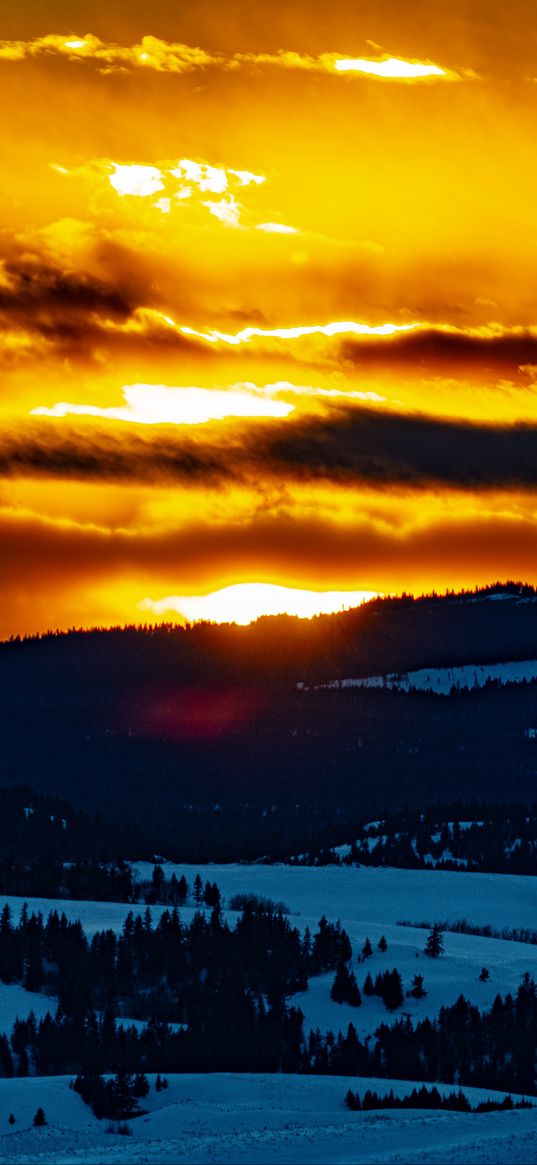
227,210
159,404
173,57
391,68
138,181
244,602
276,228
185,180
338,328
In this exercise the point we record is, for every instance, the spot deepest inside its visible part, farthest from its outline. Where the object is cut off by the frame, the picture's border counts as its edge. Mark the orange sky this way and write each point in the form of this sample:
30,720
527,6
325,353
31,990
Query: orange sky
267,301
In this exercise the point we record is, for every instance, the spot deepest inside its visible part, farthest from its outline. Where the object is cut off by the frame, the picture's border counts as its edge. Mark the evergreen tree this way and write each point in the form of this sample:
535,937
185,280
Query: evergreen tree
345,988
368,985
383,945
39,1119
392,990
198,890
484,974
416,988
367,949
434,946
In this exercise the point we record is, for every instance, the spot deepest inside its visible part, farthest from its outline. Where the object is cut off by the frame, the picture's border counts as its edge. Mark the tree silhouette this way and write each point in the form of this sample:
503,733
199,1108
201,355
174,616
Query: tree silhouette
434,947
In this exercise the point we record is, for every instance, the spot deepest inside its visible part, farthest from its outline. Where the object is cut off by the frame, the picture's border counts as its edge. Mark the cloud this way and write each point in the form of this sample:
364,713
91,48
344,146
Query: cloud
346,445
43,450
64,574
151,53
170,185
32,287
276,228
136,181
158,404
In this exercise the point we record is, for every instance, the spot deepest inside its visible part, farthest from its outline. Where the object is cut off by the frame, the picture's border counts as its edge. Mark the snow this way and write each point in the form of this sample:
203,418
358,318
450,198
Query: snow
268,1119
16,1003
369,903
366,894
256,1119
443,679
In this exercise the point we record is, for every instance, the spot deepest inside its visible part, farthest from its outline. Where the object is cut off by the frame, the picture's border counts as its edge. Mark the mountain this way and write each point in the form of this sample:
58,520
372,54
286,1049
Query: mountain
216,740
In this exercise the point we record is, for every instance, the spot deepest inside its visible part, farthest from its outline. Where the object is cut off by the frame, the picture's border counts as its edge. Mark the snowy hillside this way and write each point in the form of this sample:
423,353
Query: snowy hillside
301,1119
369,903
443,679
256,1119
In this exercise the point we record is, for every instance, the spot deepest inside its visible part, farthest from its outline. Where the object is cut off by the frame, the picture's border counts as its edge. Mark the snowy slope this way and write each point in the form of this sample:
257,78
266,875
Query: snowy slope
16,1003
443,679
370,895
256,1119
369,902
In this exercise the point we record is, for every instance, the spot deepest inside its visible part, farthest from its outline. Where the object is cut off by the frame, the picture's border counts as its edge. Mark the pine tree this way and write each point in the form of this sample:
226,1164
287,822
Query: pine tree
39,1119
383,945
11,1119
417,987
484,974
367,949
198,890
434,947
392,993
368,985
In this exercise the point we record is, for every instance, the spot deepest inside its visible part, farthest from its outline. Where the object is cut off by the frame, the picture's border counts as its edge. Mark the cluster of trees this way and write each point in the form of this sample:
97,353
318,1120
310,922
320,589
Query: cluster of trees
101,881
47,877
243,1030
168,971
491,839
490,1049
345,988
118,1097
515,934
387,984
430,1098
236,1031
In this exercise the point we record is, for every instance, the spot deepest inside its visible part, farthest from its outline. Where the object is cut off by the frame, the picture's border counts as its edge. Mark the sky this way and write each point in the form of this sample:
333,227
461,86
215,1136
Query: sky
268,305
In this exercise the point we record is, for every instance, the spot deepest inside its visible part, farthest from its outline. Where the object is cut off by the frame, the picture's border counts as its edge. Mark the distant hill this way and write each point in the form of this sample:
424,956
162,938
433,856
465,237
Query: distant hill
203,737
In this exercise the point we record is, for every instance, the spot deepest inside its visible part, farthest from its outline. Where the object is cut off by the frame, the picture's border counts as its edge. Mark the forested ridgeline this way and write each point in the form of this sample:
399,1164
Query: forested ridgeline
36,827
381,636
160,731
484,838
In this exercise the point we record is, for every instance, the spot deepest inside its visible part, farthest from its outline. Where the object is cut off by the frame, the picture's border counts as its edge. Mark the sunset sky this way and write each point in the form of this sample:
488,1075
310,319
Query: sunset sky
268,304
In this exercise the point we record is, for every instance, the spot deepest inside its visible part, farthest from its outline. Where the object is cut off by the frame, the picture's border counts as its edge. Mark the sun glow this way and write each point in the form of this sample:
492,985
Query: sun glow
392,68
245,602
158,404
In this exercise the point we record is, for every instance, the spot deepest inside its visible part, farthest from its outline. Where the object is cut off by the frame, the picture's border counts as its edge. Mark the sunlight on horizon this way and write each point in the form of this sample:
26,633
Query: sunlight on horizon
244,602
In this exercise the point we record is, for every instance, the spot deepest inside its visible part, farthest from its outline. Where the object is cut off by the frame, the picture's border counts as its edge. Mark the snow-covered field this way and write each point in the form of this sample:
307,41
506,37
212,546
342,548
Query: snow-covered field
255,1120
368,903
16,1003
443,679
301,1119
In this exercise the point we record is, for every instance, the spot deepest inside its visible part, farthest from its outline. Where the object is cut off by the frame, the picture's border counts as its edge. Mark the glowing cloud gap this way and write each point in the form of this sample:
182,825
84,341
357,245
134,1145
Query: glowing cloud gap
244,602
158,404
339,328
392,68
